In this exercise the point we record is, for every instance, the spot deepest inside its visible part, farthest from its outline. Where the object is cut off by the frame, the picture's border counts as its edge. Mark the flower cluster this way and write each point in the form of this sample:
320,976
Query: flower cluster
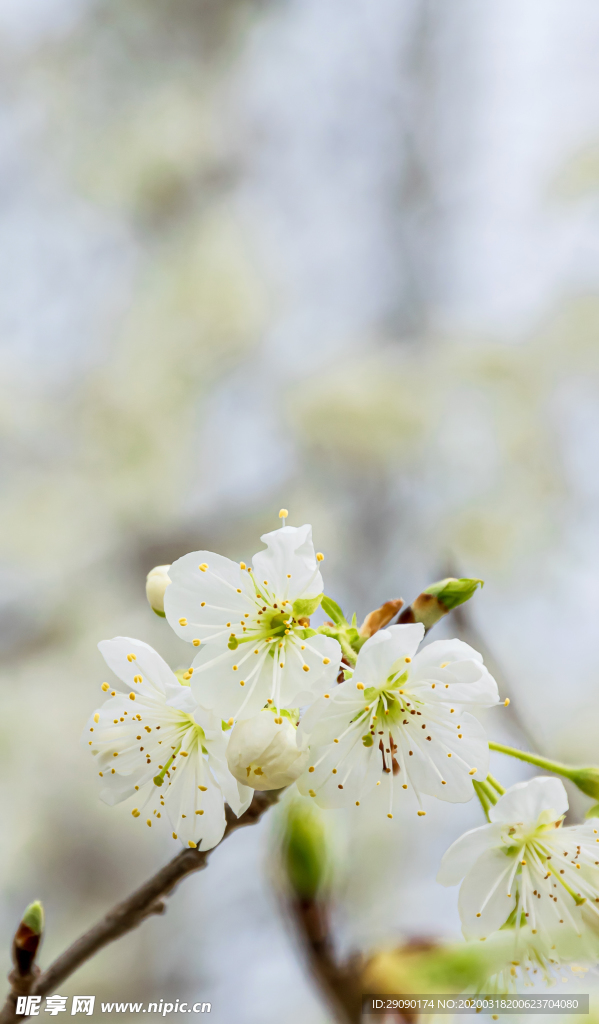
349,715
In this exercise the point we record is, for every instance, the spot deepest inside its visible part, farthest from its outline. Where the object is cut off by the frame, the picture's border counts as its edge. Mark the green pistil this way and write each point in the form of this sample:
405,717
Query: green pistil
159,779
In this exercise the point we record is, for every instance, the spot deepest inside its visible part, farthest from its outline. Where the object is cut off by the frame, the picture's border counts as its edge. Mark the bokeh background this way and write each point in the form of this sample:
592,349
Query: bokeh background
335,255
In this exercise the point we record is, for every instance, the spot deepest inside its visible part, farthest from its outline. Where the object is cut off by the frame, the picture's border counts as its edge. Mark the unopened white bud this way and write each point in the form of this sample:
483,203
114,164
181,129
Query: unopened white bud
263,752
157,581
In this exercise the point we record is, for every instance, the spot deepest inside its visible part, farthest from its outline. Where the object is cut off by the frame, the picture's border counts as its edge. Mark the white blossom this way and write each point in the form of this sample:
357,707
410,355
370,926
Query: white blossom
251,627
400,723
152,739
263,752
525,868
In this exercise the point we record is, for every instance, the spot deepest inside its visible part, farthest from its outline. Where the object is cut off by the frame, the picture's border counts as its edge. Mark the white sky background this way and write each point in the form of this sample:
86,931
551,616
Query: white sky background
397,168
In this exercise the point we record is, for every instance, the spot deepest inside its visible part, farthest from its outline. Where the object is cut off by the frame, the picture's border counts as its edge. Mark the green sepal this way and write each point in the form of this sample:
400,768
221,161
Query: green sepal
304,607
453,592
332,609
225,726
33,917
587,779
371,693
593,811
161,614
305,633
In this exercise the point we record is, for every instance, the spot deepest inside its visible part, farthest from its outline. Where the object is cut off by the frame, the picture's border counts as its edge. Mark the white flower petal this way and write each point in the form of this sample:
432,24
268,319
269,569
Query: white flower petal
299,687
380,653
289,563
484,903
466,850
129,658
526,800
199,603
429,765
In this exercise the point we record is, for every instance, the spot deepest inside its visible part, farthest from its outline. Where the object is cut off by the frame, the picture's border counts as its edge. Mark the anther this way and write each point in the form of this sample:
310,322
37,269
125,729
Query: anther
359,686
473,771
319,556
306,668
326,661
131,696
421,814
506,702
283,513
105,687
196,643
389,815
135,812
193,845
96,717
203,566
131,657
242,565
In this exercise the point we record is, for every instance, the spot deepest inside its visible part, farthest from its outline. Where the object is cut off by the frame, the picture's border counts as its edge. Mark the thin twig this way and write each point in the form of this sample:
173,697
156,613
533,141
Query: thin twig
126,916
339,982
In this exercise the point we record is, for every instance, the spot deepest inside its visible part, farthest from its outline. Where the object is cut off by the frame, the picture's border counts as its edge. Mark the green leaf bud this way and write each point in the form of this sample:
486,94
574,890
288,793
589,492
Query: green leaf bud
33,917
304,850
438,599
27,938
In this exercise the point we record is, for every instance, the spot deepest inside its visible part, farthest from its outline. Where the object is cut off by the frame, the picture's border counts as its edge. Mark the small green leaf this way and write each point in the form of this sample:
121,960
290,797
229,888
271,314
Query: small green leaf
332,609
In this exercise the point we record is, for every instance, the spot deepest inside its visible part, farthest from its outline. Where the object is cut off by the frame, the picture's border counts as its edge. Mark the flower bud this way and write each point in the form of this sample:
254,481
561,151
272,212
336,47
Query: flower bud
380,617
304,849
440,598
157,581
263,751
27,938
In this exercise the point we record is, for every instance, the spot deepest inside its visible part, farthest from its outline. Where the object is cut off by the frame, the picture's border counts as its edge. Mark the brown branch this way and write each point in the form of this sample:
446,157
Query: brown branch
126,916
339,982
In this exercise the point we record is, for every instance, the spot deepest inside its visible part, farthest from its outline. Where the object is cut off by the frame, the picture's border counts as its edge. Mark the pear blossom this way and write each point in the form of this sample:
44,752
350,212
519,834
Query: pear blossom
152,739
251,628
263,752
525,868
400,723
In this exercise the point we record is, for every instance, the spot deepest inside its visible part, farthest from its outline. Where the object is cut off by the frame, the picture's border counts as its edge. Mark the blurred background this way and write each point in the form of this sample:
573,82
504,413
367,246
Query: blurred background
341,257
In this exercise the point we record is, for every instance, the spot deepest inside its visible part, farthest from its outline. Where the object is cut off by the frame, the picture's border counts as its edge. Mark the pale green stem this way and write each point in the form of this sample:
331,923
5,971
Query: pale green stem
495,784
488,790
536,759
482,797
